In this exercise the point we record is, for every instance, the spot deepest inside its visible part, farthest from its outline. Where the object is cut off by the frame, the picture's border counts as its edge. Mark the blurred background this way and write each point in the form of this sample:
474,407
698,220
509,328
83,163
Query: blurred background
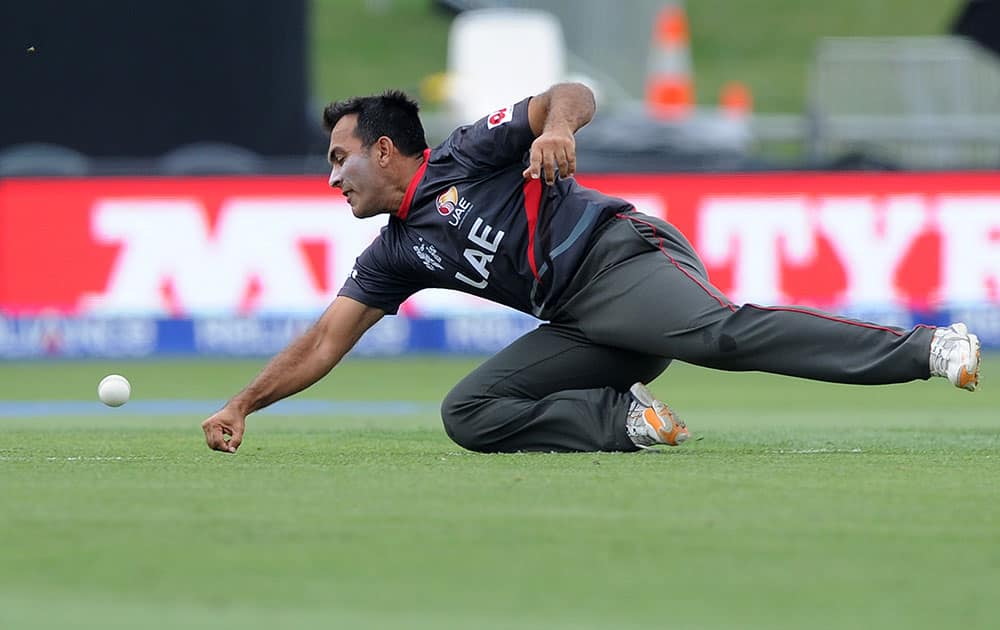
162,170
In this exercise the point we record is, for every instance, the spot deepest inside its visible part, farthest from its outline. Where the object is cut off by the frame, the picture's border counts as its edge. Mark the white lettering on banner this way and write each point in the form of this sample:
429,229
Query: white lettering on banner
871,241
751,233
170,261
390,336
166,242
871,236
253,259
485,334
246,336
256,336
77,337
982,318
970,248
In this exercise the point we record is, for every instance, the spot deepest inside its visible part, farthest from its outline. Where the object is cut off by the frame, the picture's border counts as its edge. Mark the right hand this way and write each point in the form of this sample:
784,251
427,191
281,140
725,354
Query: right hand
552,153
226,422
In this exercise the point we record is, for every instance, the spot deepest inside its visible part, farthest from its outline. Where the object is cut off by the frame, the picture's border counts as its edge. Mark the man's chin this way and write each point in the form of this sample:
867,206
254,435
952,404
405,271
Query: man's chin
366,213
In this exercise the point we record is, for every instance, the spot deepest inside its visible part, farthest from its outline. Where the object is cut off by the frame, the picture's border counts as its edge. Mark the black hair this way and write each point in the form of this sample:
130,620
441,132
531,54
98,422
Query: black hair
392,114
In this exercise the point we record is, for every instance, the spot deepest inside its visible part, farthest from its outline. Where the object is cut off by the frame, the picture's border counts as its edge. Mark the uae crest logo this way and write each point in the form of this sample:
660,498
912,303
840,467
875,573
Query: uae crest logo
447,201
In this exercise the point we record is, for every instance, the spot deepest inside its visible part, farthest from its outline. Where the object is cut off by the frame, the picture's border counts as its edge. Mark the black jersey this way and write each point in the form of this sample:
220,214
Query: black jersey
471,222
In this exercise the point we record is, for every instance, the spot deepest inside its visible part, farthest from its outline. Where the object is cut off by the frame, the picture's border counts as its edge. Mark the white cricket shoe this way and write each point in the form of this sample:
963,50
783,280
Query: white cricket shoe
955,355
650,421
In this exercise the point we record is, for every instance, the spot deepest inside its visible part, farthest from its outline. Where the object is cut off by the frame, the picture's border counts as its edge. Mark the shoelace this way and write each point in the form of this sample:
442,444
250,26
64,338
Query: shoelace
941,348
668,414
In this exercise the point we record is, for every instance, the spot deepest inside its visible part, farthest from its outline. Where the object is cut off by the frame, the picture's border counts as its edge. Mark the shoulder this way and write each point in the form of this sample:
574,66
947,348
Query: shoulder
388,238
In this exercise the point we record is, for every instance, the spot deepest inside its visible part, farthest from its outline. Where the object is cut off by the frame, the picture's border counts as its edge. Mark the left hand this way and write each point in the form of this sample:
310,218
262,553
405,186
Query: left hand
553,152
226,423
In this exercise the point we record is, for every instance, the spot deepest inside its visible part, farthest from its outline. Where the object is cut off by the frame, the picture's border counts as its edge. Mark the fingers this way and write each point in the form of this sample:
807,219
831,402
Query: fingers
570,164
535,165
562,162
545,161
551,169
236,439
215,436
552,158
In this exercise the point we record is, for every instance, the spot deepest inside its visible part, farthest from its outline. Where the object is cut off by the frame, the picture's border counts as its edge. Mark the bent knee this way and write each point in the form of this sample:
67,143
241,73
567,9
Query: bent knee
457,413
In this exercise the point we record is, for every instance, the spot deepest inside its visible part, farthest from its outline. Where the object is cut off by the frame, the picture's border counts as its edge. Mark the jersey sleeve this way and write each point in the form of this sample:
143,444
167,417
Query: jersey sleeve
378,279
498,139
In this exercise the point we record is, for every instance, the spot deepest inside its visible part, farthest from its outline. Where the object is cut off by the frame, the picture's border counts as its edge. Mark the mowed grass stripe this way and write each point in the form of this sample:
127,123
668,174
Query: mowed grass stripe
374,521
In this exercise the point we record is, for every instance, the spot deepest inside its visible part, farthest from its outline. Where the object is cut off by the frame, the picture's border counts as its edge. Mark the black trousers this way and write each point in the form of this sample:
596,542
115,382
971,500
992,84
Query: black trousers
643,300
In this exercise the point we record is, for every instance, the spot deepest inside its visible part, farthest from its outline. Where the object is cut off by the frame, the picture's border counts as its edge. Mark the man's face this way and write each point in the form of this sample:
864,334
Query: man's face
354,170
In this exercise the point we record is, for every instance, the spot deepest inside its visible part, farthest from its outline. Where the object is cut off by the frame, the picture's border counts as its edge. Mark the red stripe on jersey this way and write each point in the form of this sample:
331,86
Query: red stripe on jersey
404,208
532,202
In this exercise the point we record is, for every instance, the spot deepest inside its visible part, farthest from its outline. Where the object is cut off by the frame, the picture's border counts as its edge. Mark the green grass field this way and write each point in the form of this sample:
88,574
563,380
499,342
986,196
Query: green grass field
799,505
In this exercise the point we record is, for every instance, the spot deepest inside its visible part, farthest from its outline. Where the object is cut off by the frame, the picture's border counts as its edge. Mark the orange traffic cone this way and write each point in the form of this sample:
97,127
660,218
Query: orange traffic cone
736,100
670,86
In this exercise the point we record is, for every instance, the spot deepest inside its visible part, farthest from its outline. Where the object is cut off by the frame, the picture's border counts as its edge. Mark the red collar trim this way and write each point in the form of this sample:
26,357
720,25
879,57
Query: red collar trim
404,208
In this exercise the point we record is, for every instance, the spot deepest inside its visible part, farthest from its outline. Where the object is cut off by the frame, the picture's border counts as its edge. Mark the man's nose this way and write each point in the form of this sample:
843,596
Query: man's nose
335,177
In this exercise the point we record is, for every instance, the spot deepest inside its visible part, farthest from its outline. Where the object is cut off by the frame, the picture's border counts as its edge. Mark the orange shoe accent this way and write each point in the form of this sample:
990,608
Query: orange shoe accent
970,381
653,419
673,435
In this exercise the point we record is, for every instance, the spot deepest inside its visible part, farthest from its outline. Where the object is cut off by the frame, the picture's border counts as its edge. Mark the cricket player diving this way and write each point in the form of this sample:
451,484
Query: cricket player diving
495,211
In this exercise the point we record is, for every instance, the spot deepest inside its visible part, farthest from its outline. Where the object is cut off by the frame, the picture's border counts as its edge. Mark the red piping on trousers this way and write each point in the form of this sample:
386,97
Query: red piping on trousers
728,305
833,318
788,309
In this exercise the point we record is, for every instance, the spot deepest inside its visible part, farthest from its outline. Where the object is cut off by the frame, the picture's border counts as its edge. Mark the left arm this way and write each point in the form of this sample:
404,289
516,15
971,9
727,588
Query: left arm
555,115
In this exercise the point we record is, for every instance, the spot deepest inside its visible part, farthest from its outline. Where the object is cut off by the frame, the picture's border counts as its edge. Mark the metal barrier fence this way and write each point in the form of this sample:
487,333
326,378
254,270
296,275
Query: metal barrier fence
917,102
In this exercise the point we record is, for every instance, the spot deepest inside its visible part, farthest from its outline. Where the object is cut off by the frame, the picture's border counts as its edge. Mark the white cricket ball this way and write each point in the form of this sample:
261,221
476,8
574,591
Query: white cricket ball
114,390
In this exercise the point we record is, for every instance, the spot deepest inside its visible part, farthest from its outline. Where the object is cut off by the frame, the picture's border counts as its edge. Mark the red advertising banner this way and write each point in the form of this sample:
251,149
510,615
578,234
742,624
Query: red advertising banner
834,240
227,246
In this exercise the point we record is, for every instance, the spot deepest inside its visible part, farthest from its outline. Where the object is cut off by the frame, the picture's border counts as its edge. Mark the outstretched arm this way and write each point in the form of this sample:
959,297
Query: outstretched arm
555,115
305,361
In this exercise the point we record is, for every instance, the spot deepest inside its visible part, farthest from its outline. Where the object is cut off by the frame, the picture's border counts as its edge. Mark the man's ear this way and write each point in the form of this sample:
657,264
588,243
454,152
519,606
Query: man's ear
385,148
